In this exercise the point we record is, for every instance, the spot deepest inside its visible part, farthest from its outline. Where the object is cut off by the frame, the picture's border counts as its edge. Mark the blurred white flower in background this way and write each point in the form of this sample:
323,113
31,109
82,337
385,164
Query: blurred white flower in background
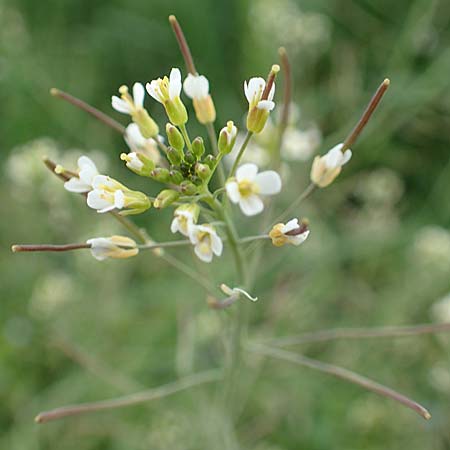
440,310
432,246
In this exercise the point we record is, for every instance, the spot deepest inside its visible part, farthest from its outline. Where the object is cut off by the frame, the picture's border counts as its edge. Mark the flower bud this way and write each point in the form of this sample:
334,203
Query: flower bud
138,163
166,198
198,147
210,161
227,138
175,137
203,171
176,177
190,158
160,174
188,188
174,156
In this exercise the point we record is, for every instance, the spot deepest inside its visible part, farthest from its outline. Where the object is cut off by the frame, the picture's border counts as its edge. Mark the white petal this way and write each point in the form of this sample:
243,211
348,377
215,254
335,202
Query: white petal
193,230
119,199
120,105
153,90
84,161
246,172
88,170
76,185
299,239
174,226
268,105
291,225
254,88
174,83
334,156
101,180
216,244
133,137
251,205
269,182
96,201
233,191
138,95
346,157
205,256
245,294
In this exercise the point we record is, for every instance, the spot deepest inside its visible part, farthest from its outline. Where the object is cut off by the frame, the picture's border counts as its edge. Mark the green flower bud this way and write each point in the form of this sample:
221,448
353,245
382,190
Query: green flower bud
188,188
175,137
190,158
203,171
210,161
227,138
160,174
174,156
176,177
198,147
166,198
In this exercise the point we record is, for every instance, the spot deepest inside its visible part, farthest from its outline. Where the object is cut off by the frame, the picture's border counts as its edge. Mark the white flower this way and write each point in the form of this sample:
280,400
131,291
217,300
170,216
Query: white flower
196,86
290,233
86,173
112,247
164,89
127,104
253,91
249,184
167,91
206,241
139,144
132,161
185,216
236,292
327,167
109,194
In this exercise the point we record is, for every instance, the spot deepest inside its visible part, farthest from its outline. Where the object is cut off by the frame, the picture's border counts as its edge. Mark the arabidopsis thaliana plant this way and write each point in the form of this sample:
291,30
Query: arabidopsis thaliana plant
245,189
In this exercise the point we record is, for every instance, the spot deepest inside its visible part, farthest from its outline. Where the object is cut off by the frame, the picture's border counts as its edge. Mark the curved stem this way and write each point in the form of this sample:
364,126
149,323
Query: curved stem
129,400
344,374
186,136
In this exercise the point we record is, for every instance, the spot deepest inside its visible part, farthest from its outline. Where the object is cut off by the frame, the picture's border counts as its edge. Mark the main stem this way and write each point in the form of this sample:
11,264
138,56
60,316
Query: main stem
241,152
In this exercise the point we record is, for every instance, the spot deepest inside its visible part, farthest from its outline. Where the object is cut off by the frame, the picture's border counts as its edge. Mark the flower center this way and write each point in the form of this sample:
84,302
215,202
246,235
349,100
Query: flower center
247,188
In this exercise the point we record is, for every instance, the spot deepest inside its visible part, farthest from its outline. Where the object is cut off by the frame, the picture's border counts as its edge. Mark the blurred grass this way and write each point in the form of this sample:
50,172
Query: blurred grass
379,252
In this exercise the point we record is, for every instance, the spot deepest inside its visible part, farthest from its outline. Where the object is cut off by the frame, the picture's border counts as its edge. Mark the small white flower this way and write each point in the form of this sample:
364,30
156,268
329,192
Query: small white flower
127,104
86,173
327,167
196,86
254,90
112,247
108,194
164,89
248,185
206,241
139,144
290,233
237,292
133,162
185,216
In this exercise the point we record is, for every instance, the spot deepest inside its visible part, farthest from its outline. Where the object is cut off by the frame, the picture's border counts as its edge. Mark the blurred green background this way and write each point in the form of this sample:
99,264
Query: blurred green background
73,329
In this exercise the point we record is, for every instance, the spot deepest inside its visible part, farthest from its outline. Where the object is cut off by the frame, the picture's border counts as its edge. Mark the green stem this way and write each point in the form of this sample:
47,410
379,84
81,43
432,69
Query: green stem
186,136
213,140
240,153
